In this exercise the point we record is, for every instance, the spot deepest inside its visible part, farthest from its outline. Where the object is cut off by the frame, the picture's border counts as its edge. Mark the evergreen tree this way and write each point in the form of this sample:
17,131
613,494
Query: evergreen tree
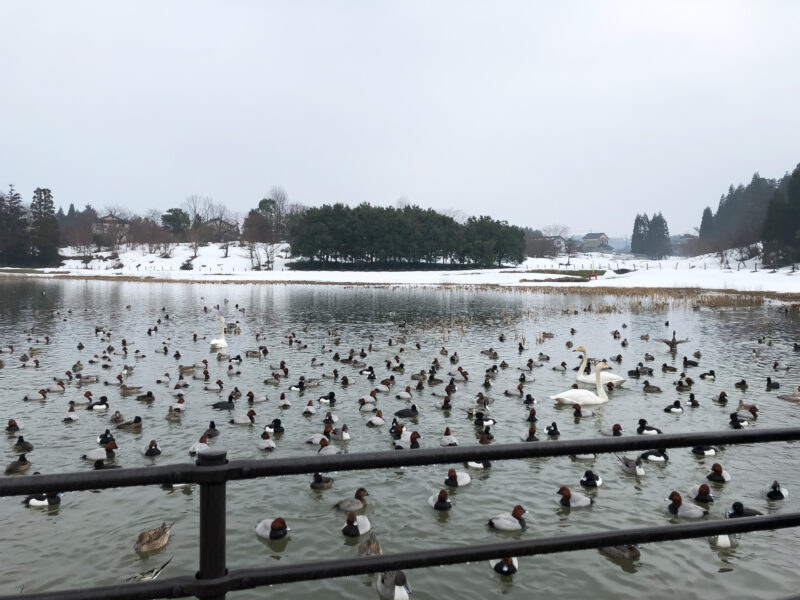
781,230
45,235
641,225
13,229
658,244
707,225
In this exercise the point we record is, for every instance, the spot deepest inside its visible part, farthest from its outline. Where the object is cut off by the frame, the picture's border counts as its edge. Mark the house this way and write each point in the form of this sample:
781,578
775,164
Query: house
558,243
219,230
595,242
112,228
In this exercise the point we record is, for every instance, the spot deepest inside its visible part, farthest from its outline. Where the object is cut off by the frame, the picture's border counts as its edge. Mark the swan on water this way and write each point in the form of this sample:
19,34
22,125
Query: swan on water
606,378
220,342
584,397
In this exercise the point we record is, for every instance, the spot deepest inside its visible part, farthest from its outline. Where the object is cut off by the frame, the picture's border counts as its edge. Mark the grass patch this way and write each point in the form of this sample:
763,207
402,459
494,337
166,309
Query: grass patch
22,271
583,273
566,279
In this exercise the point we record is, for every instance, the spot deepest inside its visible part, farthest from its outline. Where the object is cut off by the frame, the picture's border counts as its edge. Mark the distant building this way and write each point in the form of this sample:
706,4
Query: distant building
558,243
111,227
218,230
595,242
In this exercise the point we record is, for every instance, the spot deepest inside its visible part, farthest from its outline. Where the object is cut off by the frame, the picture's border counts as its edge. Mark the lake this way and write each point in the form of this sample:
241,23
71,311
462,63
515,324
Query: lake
89,539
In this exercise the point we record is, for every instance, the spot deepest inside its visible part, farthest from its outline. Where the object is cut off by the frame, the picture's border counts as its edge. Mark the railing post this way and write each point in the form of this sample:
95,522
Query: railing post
212,522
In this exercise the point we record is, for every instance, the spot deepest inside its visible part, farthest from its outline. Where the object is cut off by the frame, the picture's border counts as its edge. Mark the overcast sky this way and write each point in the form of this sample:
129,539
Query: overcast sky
578,113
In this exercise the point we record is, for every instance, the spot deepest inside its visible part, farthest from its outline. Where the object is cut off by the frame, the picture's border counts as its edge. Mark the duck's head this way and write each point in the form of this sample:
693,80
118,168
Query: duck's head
442,496
518,511
278,525
716,468
675,497
361,493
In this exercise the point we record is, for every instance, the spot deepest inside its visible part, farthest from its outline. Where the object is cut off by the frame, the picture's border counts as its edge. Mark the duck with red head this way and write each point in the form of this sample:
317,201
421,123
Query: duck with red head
513,521
356,525
104,452
355,502
505,566
718,474
440,501
701,493
571,499
152,449
326,449
247,419
685,511
273,530
448,439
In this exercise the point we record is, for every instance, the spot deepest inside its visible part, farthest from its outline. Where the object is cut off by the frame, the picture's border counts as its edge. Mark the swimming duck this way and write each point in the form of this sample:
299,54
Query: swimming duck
146,397
572,500
341,434
274,427
20,465
153,539
627,552
738,510
377,420
84,399
355,502
320,482
704,450
404,395
392,585
48,499
650,389
579,412
356,525
246,419
562,368
100,464
721,399
71,415
645,429
106,451
718,474
668,368
631,466
408,441
740,385
21,446
530,436
689,363
693,401
513,521
309,409
710,375
326,449
772,385
199,446
749,412
674,408
329,398
654,455
407,412
686,511
152,449
105,437
448,439
457,478
99,406
134,426
591,479
724,541
776,492
532,416
213,387
552,430
701,493
370,547
440,501
793,397
615,431
272,530
738,423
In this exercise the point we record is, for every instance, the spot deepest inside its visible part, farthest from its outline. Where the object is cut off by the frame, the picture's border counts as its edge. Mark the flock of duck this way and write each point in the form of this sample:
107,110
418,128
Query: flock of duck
104,382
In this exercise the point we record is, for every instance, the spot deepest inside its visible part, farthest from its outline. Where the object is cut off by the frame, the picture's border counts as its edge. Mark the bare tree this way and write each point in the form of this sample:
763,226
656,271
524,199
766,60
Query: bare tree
556,229
198,209
116,231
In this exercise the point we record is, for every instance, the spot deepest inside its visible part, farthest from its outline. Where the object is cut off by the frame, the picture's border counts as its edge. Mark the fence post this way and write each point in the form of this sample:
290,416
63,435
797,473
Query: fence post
212,522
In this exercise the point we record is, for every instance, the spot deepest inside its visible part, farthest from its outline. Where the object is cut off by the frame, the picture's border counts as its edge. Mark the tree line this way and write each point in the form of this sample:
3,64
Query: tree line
651,236
407,237
29,235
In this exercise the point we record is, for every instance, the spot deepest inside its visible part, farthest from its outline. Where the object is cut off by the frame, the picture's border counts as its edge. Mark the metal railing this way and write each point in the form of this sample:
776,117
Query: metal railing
213,470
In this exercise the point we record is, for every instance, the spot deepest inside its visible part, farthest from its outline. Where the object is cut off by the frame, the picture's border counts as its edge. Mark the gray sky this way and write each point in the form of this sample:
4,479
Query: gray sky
580,113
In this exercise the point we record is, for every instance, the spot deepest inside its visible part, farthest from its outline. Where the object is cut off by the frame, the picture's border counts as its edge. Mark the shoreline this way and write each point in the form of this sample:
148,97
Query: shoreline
705,294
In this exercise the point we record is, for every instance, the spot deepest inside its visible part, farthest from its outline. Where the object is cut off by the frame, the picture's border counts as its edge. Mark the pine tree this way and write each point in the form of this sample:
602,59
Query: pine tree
45,235
13,229
658,244
641,225
781,232
707,225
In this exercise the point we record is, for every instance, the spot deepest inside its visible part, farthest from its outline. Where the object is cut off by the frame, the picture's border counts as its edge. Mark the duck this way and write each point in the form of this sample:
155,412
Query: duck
377,420
253,399
650,389
772,385
738,423
749,412
705,450
48,499
717,474
739,510
355,502
224,404
532,418
83,399
246,419
102,405
615,431
631,466
105,437
309,409
104,452
776,492
689,363
562,368
440,501
392,585
668,368
579,412
407,412
674,408
516,393
22,446
622,552
265,443
512,521
283,402
693,401
591,479
457,478
199,446
740,385
356,525
58,388
325,449
572,500
530,435
686,511
584,397
709,375
152,449
20,465
273,530
404,395
552,430
321,482
340,434
274,427
71,415
658,455
41,395
211,431
721,399
329,398
645,429
724,541
153,539
793,397
605,377
213,387
701,493
448,439
408,442
13,426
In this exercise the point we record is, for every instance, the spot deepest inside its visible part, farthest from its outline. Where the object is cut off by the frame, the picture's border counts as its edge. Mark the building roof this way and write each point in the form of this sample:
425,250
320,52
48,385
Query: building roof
594,236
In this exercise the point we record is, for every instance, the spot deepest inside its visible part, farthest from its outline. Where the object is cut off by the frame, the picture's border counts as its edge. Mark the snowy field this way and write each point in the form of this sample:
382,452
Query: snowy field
701,272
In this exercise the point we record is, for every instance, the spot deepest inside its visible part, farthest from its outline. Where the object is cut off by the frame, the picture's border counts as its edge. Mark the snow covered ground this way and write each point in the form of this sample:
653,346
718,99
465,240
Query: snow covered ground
703,272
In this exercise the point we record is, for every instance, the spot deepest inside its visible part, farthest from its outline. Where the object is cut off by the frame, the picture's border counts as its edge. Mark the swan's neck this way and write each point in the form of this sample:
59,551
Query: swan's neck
600,389
222,328
583,364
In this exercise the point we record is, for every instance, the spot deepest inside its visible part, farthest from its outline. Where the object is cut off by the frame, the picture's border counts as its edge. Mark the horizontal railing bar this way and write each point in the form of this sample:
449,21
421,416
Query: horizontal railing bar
248,469
240,579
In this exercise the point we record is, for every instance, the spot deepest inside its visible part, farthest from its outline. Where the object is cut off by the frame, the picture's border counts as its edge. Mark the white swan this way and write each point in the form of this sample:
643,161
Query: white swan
605,378
220,342
583,397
